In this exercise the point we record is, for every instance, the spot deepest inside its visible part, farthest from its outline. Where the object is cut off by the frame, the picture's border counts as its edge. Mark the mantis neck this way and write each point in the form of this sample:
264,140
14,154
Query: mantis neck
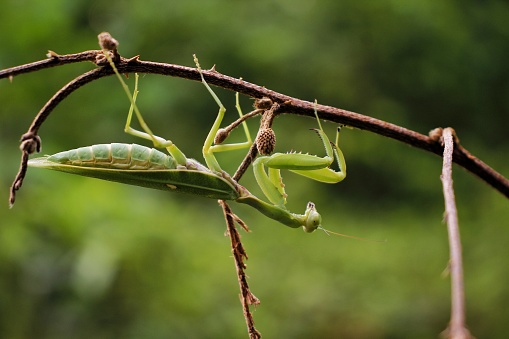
274,212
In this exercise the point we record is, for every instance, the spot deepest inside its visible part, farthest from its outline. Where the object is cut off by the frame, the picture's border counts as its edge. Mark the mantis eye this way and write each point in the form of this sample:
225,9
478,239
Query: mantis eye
313,220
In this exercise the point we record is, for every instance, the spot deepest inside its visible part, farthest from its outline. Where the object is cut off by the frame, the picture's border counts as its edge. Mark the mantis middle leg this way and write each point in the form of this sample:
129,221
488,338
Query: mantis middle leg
208,146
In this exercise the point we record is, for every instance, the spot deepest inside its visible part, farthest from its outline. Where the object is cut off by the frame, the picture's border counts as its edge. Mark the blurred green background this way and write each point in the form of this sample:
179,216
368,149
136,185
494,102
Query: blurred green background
83,258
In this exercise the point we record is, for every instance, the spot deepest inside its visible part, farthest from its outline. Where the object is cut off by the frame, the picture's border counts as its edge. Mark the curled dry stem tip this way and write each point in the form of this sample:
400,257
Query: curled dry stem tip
30,143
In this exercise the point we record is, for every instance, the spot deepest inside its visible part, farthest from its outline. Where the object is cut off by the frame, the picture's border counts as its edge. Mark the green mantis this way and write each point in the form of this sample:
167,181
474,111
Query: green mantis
142,166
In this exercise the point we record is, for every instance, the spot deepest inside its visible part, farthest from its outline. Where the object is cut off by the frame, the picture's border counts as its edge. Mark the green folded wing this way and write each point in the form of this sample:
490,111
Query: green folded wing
206,184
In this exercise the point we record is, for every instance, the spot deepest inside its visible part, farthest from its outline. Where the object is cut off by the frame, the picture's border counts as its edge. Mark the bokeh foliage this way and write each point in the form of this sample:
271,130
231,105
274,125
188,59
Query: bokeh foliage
84,258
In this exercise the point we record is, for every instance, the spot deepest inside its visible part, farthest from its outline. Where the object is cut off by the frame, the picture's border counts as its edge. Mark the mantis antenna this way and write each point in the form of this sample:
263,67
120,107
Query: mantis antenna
348,236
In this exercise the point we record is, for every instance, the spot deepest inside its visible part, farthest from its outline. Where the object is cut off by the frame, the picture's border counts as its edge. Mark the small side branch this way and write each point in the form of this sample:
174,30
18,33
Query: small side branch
30,141
53,60
457,328
244,165
239,254
265,124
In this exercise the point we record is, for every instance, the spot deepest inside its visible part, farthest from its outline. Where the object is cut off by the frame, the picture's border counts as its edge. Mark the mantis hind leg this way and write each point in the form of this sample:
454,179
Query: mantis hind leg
208,147
159,142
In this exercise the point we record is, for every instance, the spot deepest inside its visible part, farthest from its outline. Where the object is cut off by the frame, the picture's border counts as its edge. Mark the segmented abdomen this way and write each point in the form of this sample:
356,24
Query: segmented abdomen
121,156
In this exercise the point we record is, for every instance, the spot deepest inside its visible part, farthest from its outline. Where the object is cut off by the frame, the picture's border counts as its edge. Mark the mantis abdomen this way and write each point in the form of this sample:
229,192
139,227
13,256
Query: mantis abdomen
141,166
116,156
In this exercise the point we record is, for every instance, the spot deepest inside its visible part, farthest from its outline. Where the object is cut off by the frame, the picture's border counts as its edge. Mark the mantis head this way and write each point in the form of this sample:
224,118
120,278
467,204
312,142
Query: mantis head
312,217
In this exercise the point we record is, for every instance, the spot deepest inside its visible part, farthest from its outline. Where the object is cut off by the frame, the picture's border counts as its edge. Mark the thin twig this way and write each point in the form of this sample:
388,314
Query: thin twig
457,327
31,137
244,165
265,123
53,60
239,255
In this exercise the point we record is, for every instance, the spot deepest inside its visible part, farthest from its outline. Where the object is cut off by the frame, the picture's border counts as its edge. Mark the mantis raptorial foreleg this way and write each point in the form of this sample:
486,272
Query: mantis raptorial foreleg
310,166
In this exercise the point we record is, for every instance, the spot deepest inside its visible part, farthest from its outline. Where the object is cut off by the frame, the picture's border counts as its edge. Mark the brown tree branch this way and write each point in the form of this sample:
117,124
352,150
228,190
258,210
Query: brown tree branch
53,60
287,105
457,326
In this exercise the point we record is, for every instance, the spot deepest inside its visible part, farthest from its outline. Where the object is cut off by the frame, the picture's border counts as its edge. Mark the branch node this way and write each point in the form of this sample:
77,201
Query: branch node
52,55
455,138
436,134
102,60
108,45
30,143
263,103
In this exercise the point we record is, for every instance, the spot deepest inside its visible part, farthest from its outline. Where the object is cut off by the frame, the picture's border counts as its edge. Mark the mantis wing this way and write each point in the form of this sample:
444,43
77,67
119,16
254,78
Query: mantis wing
206,184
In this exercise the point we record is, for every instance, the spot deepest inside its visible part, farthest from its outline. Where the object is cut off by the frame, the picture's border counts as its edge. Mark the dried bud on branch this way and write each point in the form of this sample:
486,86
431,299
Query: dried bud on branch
107,42
266,141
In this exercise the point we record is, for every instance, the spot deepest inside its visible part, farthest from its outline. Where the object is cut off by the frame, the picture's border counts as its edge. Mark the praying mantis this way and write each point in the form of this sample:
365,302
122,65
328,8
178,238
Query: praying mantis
143,166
